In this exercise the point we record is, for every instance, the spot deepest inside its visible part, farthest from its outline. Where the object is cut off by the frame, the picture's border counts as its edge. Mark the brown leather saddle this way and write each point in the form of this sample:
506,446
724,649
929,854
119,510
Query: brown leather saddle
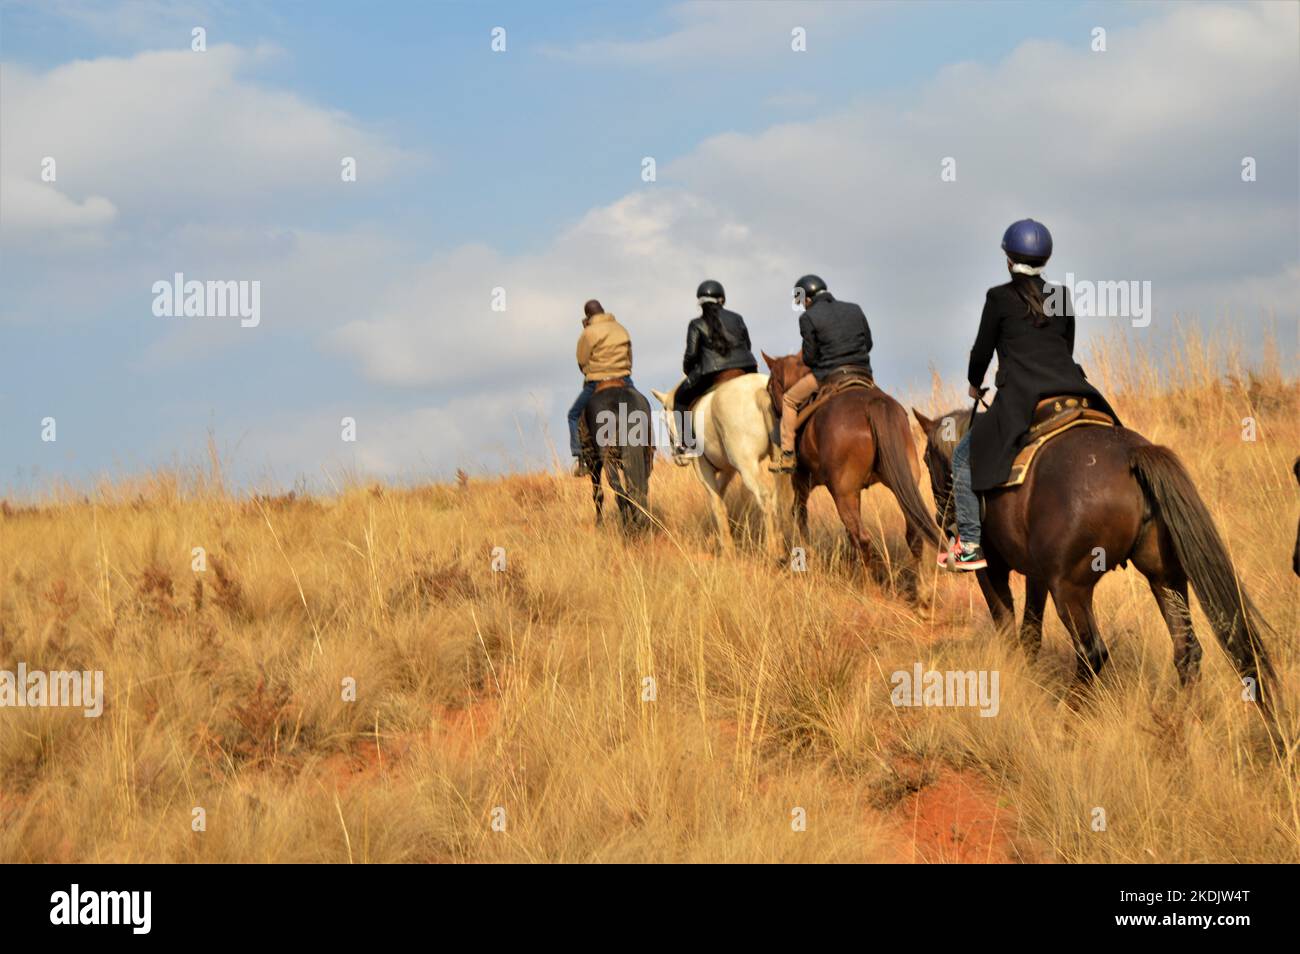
1052,416
610,383
718,378
837,382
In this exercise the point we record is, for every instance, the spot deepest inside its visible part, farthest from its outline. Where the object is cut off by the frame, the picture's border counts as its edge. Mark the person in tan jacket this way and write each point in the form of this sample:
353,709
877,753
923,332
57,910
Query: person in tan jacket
604,352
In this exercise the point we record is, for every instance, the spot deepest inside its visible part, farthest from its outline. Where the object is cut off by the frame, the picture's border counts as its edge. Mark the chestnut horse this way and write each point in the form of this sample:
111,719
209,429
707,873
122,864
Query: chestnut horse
858,437
1095,499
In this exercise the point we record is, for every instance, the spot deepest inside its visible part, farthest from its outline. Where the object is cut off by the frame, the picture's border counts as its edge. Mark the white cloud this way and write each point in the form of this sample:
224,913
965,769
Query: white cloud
1131,156
180,131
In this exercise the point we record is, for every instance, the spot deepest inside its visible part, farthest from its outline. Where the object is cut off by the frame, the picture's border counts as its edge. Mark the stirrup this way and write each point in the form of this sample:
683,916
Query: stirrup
785,464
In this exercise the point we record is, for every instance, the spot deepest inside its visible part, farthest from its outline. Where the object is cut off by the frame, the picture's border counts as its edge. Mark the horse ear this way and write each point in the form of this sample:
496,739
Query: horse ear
771,361
660,396
927,425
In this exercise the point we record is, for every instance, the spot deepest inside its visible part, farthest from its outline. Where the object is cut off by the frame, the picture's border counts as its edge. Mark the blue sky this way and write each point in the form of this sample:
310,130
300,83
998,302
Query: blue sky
522,169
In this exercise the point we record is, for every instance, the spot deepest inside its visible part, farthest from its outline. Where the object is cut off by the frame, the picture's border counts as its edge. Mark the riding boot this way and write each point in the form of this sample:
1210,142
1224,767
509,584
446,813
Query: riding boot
785,464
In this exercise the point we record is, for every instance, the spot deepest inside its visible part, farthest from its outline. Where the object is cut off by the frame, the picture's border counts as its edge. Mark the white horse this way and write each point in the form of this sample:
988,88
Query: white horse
732,434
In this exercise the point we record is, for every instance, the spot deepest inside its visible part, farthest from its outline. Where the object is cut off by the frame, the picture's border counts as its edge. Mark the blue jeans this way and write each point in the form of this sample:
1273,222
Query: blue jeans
968,505
575,414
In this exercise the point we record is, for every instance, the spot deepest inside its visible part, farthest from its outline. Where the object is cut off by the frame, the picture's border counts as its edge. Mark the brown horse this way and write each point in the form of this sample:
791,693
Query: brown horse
858,437
1295,556
1095,499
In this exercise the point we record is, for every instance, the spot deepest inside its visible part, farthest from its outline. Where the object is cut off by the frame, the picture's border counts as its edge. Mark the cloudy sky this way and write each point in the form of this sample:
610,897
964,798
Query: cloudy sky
522,169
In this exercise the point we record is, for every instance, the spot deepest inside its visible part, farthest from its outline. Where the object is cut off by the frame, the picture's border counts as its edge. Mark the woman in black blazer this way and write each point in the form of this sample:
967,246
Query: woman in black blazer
1030,325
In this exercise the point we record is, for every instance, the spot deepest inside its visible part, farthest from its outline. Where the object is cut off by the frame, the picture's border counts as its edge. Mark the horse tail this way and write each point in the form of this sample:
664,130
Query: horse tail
889,424
1238,625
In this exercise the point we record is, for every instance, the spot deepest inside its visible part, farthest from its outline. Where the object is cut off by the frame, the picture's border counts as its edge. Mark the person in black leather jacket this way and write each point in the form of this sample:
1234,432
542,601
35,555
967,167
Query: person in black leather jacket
716,341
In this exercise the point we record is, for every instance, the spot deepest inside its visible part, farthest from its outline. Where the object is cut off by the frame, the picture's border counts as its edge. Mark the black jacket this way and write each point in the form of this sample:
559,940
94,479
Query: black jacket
705,356
835,334
1033,363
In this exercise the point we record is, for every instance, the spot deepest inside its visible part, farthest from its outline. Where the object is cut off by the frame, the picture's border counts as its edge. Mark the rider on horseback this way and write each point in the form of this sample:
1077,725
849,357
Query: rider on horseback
836,337
1030,324
604,354
716,341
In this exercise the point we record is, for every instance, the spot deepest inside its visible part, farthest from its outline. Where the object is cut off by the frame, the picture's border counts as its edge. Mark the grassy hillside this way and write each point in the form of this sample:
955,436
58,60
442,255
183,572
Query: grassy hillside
516,695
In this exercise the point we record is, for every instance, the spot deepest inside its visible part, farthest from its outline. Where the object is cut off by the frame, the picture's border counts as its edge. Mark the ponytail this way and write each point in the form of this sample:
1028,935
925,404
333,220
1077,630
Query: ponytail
718,336
1030,290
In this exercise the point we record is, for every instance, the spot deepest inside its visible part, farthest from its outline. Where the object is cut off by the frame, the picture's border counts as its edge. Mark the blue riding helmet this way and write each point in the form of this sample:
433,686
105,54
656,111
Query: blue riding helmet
1028,241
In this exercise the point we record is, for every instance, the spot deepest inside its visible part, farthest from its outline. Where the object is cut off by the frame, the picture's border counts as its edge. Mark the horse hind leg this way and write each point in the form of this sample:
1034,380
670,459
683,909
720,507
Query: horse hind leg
995,584
1172,600
618,483
1031,624
597,490
715,482
1074,606
849,505
1155,559
766,500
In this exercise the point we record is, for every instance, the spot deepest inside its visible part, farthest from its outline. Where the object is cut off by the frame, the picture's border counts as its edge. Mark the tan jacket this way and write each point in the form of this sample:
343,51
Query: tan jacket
604,349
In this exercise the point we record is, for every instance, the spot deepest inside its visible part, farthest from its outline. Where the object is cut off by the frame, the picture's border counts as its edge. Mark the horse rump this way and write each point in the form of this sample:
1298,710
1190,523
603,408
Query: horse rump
621,432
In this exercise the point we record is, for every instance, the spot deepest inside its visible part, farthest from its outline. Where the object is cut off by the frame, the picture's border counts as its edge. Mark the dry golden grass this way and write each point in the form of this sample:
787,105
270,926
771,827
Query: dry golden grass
522,690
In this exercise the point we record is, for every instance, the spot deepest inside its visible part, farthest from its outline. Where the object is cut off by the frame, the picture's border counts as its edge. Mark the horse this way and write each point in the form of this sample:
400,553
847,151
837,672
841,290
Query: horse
856,438
1095,499
1295,556
619,442
731,433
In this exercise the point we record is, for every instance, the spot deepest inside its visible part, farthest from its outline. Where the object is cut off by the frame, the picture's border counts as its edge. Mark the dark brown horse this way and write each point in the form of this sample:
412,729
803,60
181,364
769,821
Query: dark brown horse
1095,499
1295,556
618,439
858,437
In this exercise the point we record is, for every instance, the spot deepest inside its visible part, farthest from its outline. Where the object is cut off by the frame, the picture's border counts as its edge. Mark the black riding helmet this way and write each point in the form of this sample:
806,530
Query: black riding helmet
810,286
710,290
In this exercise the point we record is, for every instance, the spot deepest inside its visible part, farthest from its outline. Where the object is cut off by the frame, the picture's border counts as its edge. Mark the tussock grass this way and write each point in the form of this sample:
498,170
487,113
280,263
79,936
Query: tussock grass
521,691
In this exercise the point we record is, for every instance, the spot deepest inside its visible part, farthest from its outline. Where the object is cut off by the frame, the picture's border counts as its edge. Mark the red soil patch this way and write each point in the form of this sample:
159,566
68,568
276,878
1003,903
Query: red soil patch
459,732
366,762
958,819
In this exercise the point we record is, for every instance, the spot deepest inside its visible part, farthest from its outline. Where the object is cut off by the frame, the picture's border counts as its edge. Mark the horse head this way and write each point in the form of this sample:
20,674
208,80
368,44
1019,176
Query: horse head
785,371
941,437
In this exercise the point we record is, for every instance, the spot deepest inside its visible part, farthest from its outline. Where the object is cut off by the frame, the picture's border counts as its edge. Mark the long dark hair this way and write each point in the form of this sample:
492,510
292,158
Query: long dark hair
718,337
1030,290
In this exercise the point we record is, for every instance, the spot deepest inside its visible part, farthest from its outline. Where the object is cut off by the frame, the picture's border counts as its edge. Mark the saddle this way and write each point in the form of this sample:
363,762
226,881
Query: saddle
727,375
610,383
837,382
1052,416
718,378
